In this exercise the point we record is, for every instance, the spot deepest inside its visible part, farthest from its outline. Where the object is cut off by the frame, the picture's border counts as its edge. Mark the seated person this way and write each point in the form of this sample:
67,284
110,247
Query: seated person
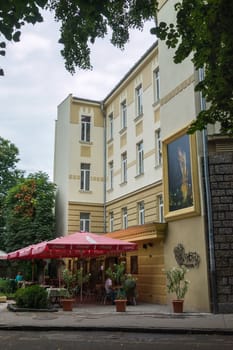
19,279
109,290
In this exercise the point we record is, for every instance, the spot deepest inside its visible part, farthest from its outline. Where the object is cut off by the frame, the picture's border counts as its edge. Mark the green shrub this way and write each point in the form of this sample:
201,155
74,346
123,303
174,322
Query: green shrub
7,286
33,297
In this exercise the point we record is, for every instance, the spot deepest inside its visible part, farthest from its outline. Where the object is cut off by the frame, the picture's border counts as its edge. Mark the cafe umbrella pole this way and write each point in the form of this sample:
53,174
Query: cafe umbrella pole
81,280
33,269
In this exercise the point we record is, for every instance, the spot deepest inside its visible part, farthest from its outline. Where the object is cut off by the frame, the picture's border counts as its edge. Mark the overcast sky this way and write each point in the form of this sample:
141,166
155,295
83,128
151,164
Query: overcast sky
36,81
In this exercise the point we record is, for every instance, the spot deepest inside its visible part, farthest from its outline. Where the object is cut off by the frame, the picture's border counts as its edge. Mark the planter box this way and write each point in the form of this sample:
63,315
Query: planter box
121,305
67,304
3,299
178,306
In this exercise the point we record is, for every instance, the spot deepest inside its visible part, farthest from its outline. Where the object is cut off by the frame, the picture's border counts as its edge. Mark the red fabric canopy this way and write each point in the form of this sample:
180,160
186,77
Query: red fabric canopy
78,244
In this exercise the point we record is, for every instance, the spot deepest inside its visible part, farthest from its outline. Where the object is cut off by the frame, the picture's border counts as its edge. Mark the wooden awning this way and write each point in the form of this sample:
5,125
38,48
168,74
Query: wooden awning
155,230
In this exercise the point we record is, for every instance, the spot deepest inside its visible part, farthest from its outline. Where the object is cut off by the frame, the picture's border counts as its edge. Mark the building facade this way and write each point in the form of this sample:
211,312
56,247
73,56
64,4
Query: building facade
125,166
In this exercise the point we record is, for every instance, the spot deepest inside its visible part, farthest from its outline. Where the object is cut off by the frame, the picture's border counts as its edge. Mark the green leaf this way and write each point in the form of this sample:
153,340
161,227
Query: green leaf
16,36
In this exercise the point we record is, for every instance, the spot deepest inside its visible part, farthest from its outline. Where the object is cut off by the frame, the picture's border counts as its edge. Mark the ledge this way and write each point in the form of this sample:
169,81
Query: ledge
13,307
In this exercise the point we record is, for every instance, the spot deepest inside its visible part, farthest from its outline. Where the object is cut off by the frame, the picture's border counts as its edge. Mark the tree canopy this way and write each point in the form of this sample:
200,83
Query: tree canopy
9,174
82,21
29,212
203,28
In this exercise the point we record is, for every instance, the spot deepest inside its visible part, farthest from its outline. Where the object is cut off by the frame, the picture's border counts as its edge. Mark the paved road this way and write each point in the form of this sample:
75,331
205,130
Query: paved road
64,340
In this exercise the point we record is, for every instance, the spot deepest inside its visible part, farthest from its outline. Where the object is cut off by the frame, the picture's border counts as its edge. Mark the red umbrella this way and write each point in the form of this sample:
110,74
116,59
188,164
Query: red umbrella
80,244
13,255
21,254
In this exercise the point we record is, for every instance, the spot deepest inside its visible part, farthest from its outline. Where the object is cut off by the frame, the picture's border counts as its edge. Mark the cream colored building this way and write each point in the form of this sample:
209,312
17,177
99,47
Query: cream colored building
125,166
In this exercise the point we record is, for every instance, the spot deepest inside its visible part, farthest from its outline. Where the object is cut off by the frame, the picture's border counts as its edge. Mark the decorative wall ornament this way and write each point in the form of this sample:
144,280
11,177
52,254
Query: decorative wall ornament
190,259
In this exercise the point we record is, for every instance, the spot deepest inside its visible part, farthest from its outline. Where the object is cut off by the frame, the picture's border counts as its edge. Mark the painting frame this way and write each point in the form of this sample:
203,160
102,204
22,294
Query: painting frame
180,175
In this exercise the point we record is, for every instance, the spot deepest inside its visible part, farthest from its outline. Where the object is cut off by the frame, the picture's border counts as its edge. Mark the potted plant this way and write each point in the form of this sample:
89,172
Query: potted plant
117,273
69,280
121,300
130,288
178,284
80,280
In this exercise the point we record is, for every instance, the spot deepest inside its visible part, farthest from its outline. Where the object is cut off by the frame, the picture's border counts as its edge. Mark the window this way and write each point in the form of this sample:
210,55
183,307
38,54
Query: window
160,205
158,148
85,128
124,218
110,126
85,177
111,222
140,160
141,213
123,115
85,222
134,264
139,100
156,85
110,170
124,167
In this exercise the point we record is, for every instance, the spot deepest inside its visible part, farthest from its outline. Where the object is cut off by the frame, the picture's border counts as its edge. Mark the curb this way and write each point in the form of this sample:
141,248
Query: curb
162,330
12,307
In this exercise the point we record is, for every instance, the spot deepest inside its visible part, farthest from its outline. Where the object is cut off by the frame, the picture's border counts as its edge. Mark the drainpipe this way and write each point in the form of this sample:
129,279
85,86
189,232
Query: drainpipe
209,208
105,157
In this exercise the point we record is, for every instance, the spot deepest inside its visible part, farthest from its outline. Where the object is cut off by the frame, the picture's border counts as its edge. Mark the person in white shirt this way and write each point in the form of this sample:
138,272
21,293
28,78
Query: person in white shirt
109,290
108,285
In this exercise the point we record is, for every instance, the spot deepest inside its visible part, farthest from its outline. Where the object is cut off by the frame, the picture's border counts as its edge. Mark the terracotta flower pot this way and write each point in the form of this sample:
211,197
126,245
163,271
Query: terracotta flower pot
178,305
120,305
67,304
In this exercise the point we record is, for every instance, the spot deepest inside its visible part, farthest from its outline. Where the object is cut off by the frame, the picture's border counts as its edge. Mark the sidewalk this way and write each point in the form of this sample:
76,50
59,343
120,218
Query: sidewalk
139,318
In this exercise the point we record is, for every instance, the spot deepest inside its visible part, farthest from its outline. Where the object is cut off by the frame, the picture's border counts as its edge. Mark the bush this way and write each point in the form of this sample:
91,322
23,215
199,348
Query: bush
8,286
34,297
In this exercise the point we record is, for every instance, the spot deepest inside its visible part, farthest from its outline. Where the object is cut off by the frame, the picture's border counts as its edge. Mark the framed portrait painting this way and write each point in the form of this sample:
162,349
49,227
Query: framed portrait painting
181,194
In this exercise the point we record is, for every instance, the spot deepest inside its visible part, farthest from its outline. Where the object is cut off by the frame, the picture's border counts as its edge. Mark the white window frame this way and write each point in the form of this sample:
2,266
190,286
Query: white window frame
111,221
158,148
124,167
139,106
141,213
110,126
160,208
140,158
111,170
85,176
123,115
156,76
85,222
124,218
85,128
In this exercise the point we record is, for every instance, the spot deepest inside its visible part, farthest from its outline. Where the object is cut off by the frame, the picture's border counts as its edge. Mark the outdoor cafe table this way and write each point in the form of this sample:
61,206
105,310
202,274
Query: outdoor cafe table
56,294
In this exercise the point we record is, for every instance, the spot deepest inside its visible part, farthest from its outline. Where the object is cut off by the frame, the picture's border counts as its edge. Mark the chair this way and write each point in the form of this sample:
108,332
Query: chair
99,289
89,295
107,297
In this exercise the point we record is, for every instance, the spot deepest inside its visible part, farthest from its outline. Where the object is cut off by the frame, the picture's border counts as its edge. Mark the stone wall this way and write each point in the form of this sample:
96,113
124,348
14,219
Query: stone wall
221,186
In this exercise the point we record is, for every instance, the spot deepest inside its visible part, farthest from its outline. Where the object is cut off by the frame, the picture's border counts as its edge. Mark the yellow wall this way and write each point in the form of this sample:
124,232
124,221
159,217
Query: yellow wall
96,216
189,232
151,283
148,195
